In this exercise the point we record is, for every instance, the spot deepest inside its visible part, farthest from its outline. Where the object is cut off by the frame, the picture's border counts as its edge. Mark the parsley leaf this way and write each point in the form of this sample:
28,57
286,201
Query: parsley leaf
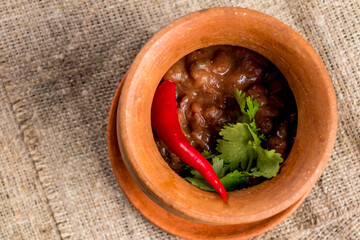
208,154
268,163
252,107
235,180
232,181
234,147
196,174
200,183
218,166
240,98
248,108
256,139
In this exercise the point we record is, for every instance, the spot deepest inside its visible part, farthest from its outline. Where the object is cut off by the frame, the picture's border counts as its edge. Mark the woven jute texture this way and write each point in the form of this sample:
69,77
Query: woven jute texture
60,64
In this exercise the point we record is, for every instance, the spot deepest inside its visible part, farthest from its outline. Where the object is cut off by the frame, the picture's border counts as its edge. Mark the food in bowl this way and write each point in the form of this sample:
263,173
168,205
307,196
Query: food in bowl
316,107
235,107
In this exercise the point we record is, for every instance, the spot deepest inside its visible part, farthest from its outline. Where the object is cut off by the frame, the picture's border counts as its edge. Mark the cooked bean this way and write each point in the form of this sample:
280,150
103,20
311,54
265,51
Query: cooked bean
203,80
259,93
204,64
196,107
267,111
197,121
222,62
212,112
175,163
265,124
277,102
281,130
177,73
194,56
276,85
246,74
277,143
201,139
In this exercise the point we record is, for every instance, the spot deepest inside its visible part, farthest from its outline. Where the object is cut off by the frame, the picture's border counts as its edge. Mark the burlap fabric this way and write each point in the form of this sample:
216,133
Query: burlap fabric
60,63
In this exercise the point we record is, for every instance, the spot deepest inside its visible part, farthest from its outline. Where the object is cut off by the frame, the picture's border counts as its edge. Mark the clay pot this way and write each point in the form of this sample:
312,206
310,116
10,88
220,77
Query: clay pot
307,77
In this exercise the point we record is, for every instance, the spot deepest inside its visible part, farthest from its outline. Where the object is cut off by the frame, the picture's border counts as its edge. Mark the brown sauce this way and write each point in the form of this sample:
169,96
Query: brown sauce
205,83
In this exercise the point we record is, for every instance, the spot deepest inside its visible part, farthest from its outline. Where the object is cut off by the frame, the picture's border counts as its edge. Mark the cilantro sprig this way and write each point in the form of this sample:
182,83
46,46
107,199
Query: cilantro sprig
239,152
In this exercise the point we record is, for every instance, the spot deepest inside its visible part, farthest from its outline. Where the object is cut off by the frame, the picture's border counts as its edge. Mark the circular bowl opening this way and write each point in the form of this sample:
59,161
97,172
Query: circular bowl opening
310,84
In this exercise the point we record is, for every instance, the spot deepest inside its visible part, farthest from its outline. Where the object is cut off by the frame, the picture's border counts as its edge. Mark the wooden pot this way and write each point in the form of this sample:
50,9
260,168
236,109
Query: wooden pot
307,77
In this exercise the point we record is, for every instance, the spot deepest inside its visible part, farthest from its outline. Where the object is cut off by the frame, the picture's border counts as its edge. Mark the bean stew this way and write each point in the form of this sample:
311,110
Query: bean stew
205,83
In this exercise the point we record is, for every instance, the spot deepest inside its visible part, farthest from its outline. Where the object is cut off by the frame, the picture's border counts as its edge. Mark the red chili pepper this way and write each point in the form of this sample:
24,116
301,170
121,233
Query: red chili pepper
165,122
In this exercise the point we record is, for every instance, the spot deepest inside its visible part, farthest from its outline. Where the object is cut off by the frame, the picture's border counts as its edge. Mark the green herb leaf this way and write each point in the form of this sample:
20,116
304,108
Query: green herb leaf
196,174
208,154
267,163
256,139
232,181
218,165
200,183
235,180
252,107
241,99
235,147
